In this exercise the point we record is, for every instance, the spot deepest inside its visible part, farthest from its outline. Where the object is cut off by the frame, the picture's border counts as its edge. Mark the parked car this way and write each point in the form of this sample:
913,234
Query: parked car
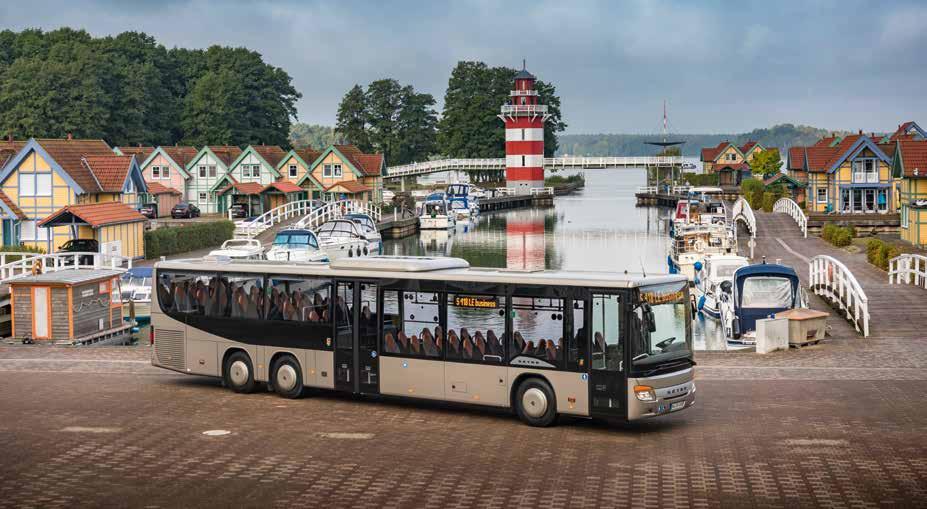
185,211
149,210
239,210
80,246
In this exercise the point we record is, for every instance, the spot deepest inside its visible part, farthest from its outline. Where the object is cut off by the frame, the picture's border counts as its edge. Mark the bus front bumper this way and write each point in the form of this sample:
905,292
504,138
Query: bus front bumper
670,394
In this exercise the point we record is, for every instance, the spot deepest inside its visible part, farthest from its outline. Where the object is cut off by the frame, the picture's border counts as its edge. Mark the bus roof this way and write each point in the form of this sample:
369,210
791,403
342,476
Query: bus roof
423,268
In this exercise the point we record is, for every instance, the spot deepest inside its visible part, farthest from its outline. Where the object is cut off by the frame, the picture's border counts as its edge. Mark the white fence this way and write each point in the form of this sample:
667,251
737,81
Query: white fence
336,209
550,163
248,228
542,191
832,280
907,269
62,261
788,206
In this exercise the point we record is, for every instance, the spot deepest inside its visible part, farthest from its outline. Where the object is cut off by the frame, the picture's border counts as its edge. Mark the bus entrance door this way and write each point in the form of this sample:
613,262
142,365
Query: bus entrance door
357,365
368,361
345,379
607,391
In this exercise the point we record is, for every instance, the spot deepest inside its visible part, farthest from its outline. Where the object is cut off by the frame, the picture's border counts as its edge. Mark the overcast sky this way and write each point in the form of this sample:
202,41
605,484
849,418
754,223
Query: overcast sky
722,66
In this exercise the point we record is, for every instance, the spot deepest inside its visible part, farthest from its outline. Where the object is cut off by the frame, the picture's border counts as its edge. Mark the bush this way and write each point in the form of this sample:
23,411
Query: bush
827,233
769,199
181,239
701,179
840,236
19,249
879,253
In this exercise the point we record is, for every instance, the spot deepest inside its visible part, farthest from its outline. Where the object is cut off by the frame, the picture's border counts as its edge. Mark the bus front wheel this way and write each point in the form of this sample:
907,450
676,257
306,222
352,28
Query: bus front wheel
535,403
239,373
287,379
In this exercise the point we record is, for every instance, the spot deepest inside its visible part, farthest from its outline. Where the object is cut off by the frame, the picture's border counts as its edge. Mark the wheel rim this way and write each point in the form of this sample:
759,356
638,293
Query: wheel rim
286,378
534,402
238,373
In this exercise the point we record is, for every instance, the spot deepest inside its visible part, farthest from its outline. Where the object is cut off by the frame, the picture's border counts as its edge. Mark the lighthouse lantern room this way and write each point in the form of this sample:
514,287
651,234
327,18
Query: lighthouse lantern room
524,135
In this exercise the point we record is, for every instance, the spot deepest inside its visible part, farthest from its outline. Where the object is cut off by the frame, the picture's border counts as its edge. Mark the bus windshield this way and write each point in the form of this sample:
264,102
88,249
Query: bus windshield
662,327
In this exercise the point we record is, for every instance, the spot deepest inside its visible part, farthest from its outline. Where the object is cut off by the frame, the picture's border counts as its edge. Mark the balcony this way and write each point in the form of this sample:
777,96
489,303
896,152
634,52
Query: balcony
517,93
524,109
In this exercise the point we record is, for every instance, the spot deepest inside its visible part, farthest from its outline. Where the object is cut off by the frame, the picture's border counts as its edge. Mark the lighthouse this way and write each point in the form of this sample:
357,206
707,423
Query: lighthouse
524,135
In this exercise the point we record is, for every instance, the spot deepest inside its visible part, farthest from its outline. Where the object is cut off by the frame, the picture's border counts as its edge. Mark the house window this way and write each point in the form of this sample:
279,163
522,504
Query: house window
865,171
904,216
212,170
204,197
165,172
35,184
336,170
327,170
292,169
523,161
202,169
155,172
245,171
822,194
256,171
30,231
882,200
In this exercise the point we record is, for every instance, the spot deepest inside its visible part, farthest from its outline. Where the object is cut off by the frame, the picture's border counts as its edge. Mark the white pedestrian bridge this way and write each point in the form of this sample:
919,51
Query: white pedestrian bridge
550,163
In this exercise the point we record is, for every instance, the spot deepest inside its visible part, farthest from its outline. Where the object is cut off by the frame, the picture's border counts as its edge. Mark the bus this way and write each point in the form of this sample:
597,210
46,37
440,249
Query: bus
542,343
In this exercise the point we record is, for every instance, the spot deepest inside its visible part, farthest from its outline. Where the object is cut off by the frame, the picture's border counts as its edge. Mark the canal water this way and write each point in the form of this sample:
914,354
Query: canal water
597,228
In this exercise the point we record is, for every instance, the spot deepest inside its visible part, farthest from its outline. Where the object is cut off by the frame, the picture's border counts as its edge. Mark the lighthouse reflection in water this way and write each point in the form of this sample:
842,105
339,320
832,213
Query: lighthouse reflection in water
598,228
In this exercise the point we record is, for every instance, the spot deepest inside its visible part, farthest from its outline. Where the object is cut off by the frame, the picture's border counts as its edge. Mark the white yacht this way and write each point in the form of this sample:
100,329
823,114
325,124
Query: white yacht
340,238
434,214
240,249
369,227
693,242
460,202
135,287
297,245
709,276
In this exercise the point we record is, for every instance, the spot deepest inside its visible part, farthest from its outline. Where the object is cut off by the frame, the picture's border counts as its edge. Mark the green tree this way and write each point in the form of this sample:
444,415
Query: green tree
351,124
766,163
311,136
416,127
383,100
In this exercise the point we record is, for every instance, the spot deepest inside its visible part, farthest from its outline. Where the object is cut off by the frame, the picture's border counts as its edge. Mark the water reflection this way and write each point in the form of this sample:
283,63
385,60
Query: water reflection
597,228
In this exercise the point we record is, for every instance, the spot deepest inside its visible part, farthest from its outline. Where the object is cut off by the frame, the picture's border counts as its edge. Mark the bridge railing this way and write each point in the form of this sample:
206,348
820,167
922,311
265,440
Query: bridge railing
335,210
907,269
62,261
439,165
542,191
788,206
248,228
611,162
742,211
831,279
681,189
647,190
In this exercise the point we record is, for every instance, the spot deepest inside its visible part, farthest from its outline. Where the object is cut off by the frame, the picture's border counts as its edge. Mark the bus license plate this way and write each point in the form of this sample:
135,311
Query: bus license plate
679,405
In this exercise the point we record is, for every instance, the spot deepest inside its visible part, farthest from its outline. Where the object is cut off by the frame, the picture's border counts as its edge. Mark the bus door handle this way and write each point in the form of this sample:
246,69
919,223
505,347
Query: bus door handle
498,358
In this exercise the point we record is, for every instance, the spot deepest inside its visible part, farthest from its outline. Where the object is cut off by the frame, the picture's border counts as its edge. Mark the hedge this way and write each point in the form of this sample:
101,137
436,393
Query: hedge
879,253
840,236
701,179
19,249
181,239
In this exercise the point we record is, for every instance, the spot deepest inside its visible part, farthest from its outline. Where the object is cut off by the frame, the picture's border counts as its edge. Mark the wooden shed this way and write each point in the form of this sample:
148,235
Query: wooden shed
76,306
165,197
118,228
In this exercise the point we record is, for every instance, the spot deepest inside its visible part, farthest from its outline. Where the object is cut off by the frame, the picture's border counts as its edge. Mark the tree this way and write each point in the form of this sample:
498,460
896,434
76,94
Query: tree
383,100
311,136
416,127
671,152
766,163
351,124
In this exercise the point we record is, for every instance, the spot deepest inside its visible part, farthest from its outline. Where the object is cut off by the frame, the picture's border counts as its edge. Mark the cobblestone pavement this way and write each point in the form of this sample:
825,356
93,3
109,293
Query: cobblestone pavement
101,427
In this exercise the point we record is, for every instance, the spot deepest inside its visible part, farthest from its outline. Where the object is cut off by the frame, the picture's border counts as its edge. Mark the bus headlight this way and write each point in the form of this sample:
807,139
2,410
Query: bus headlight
644,393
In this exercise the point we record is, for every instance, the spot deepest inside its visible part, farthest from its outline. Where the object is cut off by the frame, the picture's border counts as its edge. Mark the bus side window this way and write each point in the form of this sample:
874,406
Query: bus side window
392,322
577,350
537,326
420,334
476,328
607,347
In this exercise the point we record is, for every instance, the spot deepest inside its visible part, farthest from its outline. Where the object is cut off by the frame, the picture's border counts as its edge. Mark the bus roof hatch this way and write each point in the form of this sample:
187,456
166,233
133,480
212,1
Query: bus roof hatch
399,263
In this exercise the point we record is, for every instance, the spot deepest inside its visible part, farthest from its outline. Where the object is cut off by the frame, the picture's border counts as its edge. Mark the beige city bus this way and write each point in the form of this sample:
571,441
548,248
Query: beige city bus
543,343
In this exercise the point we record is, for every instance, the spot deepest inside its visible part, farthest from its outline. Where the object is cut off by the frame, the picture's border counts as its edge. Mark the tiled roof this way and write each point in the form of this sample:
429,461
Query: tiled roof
368,164
18,212
95,214
226,153
244,188
780,176
271,153
140,153
746,147
826,141
181,154
796,158
902,130
110,171
351,186
284,186
888,148
913,157
9,149
709,154
159,188
308,155
69,155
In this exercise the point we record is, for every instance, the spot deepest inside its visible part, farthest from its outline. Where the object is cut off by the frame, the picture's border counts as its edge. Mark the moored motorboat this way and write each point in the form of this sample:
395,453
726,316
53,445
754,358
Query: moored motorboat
709,275
434,214
135,287
757,291
342,238
369,227
240,249
296,245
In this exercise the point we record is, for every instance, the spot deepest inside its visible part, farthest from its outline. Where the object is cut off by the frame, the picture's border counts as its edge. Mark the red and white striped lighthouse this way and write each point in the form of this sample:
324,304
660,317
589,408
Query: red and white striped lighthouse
524,135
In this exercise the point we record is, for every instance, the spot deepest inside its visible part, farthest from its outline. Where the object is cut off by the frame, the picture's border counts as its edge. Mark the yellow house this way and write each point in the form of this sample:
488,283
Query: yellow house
849,175
344,172
730,162
118,228
910,166
295,166
46,175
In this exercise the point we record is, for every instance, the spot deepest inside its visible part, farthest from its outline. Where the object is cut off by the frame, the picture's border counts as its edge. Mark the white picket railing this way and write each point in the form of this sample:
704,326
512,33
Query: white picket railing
248,228
62,261
832,280
5,257
647,189
788,206
336,209
742,211
908,268
542,191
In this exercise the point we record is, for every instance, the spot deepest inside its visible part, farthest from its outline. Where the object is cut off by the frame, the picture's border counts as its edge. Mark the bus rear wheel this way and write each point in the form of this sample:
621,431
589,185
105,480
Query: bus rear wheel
239,373
287,378
535,403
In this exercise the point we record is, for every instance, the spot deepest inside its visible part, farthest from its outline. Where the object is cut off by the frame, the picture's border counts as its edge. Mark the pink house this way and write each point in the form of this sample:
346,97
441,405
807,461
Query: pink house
167,166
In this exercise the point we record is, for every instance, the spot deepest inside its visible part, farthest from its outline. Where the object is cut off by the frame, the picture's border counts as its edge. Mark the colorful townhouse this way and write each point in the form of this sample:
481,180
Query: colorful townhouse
909,166
344,172
846,175
730,162
295,166
248,176
205,169
46,178
165,171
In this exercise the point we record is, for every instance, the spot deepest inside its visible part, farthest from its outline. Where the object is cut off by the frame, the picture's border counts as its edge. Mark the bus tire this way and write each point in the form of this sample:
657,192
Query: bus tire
239,373
536,403
286,377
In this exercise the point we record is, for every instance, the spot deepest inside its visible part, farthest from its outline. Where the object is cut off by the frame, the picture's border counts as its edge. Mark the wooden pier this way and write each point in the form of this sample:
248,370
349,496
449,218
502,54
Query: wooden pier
397,226
515,201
